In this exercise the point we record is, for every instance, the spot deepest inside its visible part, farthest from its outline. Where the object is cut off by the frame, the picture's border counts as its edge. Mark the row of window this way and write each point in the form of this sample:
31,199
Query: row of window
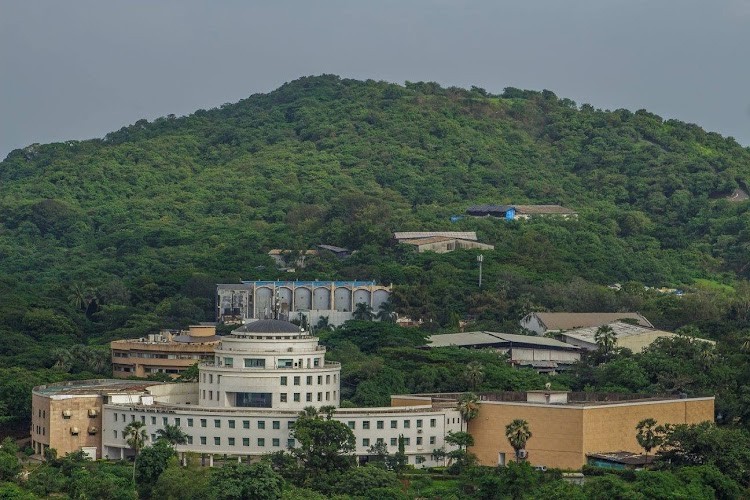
261,362
152,355
380,424
275,424
263,399
284,380
276,442
394,441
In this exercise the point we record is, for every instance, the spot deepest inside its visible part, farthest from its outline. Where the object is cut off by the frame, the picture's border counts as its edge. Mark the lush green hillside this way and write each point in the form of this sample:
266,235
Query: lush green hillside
118,236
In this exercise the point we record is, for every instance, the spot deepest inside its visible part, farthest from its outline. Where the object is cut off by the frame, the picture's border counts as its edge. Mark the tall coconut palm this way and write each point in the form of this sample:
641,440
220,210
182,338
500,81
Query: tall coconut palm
474,374
468,407
172,434
518,433
386,312
136,437
649,435
363,312
606,339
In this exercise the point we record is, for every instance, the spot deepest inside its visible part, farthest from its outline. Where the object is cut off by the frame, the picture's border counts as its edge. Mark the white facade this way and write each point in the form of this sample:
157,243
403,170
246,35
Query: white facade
262,377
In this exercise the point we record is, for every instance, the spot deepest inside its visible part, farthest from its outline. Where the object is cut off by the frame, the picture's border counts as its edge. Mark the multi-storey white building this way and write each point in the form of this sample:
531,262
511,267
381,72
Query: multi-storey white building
245,402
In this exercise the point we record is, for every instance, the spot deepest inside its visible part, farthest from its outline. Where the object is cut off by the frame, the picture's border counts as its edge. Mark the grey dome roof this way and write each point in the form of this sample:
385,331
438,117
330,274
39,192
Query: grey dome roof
269,326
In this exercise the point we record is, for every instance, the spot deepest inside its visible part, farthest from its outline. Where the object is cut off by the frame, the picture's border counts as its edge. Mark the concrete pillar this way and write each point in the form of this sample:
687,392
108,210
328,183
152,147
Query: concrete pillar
122,453
239,459
211,460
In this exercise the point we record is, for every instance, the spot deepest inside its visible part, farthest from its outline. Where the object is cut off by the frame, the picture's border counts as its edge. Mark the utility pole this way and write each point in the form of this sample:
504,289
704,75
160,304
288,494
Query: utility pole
480,259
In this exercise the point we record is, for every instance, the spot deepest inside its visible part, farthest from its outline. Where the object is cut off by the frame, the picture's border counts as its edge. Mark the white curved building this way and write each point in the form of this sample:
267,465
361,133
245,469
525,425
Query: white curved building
243,405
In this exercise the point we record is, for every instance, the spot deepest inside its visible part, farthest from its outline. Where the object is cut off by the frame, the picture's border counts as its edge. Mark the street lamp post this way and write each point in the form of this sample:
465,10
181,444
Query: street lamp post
480,258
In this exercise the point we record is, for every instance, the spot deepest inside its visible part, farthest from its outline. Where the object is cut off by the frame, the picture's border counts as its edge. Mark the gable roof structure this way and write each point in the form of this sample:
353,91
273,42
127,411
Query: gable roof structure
497,339
413,235
622,331
557,321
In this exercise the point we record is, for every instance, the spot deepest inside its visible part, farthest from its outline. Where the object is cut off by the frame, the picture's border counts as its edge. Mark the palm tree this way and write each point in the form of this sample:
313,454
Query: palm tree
468,407
136,437
63,358
328,411
363,312
77,297
518,434
606,339
706,355
474,374
386,312
323,323
172,434
649,436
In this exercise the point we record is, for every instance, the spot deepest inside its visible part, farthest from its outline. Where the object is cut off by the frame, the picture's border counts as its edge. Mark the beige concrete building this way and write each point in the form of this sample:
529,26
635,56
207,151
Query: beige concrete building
566,427
633,337
445,244
552,322
169,352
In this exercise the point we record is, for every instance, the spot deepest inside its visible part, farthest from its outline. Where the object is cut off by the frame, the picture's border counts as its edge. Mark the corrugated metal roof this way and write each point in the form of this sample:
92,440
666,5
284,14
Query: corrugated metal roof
568,321
496,338
410,235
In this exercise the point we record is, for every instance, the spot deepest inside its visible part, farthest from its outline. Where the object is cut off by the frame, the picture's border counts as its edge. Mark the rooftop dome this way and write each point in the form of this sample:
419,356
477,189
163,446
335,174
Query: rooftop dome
269,326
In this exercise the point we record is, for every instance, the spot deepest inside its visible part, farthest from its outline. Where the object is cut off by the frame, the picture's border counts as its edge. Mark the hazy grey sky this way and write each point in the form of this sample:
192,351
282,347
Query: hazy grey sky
77,69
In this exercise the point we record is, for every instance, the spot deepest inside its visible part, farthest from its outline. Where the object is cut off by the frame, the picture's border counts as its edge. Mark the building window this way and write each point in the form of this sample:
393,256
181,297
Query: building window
189,439
308,380
394,424
328,395
433,422
276,424
379,424
261,442
365,442
210,378
231,441
320,396
432,439
420,459
290,443
211,395
407,424
153,420
177,422
296,380
203,439
217,423
350,423
253,399
320,379
308,397
283,380
203,422
165,420
231,424
328,379
407,441
245,424
229,362
276,442
261,424
143,419
282,397
419,423
394,442
115,417
316,362
190,422
284,363
217,441
115,432
255,363
296,397
419,441
365,424
204,393
245,441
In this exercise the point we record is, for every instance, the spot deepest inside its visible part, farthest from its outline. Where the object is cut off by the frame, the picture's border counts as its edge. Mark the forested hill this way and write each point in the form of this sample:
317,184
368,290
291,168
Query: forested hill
147,219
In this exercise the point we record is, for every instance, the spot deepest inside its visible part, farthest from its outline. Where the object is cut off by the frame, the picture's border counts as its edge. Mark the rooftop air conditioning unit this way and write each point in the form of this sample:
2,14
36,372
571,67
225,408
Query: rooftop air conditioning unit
93,430
93,412
67,413
74,431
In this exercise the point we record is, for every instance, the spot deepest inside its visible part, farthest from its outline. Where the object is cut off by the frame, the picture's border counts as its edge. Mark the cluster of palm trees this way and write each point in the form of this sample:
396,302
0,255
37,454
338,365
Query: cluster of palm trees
136,437
363,312
88,358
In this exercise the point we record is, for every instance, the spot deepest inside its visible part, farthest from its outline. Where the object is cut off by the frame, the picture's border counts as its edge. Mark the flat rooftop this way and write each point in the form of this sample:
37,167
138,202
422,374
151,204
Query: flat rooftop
574,399
93,387
495,338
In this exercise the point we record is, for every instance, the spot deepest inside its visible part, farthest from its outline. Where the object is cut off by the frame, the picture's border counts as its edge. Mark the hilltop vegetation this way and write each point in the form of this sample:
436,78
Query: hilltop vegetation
117,237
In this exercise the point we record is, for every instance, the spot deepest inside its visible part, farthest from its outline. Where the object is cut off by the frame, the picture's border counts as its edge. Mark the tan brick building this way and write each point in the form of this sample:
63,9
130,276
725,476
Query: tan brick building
566,427
169,352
